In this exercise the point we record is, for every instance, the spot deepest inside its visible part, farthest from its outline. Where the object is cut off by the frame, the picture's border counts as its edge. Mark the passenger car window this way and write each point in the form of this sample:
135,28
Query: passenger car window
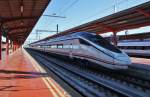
59,45
53,46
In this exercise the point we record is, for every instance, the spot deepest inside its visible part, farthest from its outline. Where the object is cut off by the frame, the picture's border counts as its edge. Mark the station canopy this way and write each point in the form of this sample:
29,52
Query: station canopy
135,17
18,17
141,36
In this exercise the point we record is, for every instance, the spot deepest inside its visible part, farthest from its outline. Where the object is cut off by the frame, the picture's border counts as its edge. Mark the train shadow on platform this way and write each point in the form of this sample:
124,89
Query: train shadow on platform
13,74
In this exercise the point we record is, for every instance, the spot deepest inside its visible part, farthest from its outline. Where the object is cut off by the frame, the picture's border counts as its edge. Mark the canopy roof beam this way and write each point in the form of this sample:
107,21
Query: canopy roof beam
143,12
5,20
21,27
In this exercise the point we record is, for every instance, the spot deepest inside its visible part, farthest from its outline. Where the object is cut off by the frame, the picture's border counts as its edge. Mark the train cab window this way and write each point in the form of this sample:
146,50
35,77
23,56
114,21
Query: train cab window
97,39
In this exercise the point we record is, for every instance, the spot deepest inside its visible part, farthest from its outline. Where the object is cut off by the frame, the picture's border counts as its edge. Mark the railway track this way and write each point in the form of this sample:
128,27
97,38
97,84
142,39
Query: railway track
93,83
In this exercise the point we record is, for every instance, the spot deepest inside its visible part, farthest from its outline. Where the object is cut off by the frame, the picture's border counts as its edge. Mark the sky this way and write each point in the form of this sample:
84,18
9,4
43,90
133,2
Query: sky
78,12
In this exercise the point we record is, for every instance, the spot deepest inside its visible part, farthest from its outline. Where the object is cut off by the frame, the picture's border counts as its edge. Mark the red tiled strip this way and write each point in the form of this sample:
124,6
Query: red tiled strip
51,84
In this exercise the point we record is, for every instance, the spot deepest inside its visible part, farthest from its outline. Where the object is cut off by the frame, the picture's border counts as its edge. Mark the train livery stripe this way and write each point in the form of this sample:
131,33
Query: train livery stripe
80,55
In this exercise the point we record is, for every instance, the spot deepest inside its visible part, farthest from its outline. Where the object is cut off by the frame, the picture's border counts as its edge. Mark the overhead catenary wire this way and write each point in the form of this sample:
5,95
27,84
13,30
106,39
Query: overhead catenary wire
97,13
108,8
66,9
103,10
57,16
70,6
63,6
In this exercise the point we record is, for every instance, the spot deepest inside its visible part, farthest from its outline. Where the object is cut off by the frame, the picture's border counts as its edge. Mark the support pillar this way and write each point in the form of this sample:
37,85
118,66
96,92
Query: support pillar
16,47
115,38
7,45
13,47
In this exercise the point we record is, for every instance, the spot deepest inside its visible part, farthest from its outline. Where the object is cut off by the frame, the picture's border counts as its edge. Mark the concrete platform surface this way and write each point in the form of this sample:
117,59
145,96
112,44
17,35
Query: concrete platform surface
140,60
22,76
142,63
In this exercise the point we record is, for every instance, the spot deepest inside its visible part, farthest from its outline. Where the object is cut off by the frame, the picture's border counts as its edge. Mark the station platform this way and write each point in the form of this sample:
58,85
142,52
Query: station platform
141,63
140,60
22,76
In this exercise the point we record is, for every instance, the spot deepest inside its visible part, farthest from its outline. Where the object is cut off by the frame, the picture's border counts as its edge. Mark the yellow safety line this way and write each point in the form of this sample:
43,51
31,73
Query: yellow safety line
48,80
45,81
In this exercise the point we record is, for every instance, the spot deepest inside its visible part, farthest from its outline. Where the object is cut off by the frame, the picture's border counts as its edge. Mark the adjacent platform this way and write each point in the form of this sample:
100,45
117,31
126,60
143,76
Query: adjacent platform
22,76
141,63
140,60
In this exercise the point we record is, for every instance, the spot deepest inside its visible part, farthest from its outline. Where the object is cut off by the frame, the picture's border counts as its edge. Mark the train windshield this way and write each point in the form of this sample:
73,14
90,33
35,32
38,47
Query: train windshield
102,42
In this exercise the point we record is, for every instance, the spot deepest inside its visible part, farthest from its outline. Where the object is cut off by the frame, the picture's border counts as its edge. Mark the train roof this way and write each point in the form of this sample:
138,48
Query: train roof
69,36
77,34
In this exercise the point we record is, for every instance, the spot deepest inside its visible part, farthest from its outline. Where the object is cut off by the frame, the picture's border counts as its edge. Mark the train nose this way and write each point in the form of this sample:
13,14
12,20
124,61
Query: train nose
122,59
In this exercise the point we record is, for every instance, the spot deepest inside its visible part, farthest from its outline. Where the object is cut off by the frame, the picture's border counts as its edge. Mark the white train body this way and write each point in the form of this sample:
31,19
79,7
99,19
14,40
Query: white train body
86,46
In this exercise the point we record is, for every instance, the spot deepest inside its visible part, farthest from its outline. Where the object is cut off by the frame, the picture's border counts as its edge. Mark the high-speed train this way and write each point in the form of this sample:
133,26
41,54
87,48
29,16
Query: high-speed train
136,47
87,46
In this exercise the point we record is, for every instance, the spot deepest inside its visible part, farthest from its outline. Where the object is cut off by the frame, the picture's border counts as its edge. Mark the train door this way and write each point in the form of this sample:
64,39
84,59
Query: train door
73,47
71,50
